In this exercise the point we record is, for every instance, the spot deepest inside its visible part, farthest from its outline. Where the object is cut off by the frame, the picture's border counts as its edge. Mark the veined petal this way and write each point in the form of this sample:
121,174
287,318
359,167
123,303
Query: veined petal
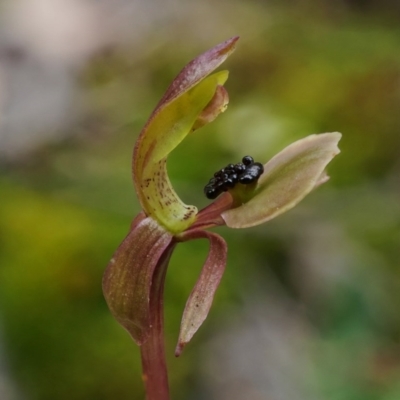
199,302
192,100
288,178
128,279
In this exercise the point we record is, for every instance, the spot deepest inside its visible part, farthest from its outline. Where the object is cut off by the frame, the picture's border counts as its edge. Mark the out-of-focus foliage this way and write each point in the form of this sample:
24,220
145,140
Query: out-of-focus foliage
309,305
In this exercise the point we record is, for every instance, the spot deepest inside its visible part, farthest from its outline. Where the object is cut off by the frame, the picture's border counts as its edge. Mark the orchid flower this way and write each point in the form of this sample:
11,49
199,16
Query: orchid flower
134,279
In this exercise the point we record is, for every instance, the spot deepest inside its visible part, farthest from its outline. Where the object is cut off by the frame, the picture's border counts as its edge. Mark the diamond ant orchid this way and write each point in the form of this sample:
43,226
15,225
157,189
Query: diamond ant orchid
245,194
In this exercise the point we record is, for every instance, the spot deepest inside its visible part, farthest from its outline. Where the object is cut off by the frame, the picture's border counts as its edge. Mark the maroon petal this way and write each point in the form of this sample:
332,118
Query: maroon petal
127,281
199,302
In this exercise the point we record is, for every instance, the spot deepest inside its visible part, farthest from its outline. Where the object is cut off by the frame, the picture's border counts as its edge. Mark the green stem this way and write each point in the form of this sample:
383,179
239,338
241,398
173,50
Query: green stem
155,375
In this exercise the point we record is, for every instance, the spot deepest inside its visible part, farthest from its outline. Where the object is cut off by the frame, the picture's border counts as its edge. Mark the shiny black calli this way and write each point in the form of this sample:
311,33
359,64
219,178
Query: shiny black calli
244,172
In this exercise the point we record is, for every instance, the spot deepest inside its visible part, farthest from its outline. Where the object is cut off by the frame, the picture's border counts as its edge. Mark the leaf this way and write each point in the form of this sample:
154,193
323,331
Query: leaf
128,279
287,179
199,302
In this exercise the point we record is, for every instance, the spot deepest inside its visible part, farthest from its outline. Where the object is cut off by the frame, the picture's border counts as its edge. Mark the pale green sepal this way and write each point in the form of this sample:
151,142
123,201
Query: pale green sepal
166,130
171,125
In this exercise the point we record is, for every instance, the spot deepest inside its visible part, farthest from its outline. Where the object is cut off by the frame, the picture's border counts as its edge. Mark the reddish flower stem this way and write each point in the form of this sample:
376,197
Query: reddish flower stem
155,375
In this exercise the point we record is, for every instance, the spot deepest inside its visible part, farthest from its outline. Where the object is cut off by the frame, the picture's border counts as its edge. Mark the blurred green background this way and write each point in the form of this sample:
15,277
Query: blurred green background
309,304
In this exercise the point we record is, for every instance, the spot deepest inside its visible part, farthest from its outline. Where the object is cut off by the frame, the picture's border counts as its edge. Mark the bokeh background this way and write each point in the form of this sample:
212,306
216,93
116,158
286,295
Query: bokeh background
309,305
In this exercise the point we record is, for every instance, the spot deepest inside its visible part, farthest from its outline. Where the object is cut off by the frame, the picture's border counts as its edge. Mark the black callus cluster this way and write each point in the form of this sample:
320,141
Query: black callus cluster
245,172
